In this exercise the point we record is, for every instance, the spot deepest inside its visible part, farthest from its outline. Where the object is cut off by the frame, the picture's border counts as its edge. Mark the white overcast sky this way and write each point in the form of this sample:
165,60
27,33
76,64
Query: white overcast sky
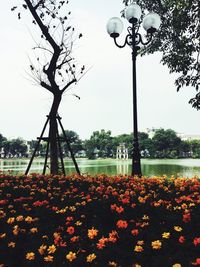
105,91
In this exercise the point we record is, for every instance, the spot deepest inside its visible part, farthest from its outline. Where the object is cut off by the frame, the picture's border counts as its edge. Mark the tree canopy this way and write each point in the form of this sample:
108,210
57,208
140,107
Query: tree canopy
178,40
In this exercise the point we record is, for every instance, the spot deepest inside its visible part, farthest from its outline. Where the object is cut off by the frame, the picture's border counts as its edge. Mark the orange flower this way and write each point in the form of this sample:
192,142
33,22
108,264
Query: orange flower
11,220
138,249
34,230
51,249
48,258
156,244
30,256
92,233
91,257
42,249
71,256
122,224
11,244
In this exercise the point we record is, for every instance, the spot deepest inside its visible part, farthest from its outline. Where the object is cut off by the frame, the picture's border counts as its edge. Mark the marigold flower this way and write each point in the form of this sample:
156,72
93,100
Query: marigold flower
19,218
29,219
11,244
122,224
11,220
138,249
71,256
78,223
15,230
48,258
91,257
34,230
42,249
140,242
178,228
92,233
166,235
30,256
112,263
3,235
51,249
156,244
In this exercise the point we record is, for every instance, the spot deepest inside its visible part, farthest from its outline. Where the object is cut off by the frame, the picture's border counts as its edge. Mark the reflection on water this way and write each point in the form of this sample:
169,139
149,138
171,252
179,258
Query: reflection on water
176,167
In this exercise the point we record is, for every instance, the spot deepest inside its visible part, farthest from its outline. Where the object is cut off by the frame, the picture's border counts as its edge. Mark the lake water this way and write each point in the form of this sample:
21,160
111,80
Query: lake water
150,167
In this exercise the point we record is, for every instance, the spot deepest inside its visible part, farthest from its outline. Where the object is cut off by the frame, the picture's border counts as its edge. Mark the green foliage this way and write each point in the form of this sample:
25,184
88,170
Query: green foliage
166,143
177,39
100,145
74,140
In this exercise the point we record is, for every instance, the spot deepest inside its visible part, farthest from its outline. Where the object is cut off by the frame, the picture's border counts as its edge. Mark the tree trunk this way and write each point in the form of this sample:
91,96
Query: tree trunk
53,129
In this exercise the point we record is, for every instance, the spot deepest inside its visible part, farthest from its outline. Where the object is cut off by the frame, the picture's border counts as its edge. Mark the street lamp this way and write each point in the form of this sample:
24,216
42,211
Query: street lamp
151,23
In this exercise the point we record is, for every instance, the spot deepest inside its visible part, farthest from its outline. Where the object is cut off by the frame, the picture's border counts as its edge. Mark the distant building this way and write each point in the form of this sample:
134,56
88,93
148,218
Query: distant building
122,151
188,137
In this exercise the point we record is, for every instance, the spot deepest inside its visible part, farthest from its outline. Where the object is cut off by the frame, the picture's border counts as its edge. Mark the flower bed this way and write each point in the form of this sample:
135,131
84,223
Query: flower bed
99,221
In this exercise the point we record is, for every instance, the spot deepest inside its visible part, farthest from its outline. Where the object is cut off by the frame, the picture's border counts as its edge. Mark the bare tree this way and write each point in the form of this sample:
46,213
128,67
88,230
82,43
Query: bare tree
55,68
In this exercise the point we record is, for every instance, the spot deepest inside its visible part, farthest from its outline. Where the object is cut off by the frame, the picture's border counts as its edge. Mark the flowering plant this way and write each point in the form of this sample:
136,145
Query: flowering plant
119,221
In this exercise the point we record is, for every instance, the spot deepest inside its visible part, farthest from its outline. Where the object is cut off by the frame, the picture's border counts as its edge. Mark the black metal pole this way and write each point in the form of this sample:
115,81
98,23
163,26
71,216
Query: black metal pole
136,165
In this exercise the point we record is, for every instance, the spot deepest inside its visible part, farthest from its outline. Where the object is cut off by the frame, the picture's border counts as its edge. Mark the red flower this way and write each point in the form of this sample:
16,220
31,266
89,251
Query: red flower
196,241
186,217
70,230
181,239
122,224
135,232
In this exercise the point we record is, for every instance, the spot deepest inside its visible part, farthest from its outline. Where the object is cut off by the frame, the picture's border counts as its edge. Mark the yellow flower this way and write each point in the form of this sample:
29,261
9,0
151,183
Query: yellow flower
145,217
48,258
16,230
51,249
11,220
166,235
112,263
42,249
11,244
176,265
19,218
2,235
138,249
34,230
91,257
178,228
29,219
71,256
156,244
92,233
140,242
78,223
30,256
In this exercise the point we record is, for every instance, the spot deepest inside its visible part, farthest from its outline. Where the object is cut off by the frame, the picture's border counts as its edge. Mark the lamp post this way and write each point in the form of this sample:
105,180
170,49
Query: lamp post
151,23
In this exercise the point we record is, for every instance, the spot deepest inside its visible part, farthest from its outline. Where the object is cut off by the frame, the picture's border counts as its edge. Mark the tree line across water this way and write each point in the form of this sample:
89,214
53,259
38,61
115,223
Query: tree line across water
101,144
